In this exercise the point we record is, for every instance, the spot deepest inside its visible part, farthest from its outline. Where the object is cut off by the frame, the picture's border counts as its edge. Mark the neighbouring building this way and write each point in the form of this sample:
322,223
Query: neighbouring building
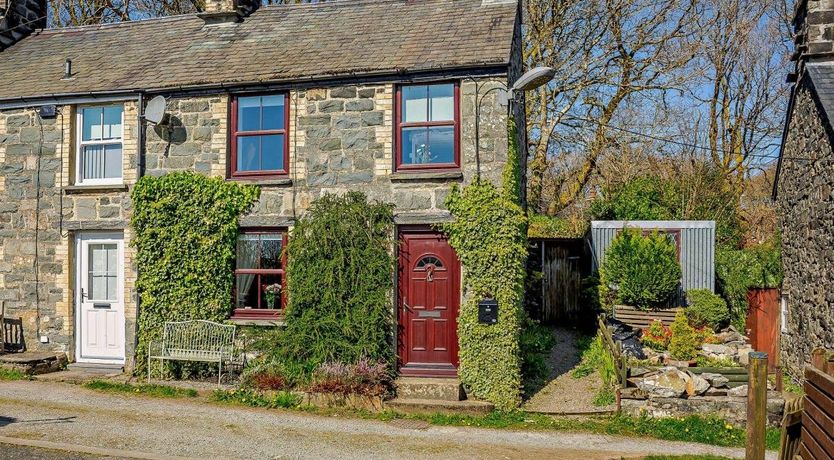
377,96
804,189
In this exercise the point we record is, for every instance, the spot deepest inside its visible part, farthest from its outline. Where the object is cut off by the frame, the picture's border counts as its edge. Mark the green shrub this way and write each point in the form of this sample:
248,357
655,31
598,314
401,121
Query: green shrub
489,234
279,400
706,309
186,228
643,271
535,341
339,266
685,341
739,270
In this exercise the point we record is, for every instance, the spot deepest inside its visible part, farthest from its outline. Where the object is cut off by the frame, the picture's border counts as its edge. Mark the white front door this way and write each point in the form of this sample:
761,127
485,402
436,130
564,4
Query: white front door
100,298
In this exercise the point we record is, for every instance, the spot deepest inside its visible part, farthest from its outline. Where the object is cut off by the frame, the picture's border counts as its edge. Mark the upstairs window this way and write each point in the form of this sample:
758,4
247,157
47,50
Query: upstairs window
260,284
428,126
100,131
260,144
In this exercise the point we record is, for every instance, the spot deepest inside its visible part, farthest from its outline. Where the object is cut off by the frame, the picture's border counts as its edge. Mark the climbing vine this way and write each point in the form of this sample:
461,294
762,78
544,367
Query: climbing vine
186,228
489,236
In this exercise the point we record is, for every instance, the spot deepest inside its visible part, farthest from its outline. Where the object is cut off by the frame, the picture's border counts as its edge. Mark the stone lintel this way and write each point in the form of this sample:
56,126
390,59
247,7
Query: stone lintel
79,225
421,218
266,221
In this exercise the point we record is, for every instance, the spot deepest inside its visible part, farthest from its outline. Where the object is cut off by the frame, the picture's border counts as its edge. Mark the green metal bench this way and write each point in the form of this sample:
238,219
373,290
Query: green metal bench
198,340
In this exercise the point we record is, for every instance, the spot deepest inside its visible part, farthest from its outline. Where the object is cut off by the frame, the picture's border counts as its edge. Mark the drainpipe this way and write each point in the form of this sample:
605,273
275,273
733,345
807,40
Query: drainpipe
140,166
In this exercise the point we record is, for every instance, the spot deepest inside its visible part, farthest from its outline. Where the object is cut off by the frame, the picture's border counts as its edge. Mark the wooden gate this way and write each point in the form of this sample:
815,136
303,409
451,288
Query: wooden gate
563,263
763,323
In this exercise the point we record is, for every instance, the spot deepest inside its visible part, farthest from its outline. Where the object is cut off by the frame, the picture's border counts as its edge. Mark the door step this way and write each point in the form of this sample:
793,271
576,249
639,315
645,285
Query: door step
433,389
433,406
95,367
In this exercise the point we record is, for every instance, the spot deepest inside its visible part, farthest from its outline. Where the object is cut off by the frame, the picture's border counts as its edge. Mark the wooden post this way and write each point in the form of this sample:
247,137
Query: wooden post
757,406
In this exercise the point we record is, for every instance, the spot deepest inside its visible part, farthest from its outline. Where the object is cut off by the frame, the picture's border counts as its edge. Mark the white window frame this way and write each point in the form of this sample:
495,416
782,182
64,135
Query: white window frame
80,144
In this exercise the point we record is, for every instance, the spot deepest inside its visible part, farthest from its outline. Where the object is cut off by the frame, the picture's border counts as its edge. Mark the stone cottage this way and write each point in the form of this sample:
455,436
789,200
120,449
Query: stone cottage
378,96
804,189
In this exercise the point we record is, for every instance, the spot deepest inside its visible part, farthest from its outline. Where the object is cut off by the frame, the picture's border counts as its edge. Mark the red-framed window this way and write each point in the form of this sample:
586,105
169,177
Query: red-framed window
428,126
260,269
260,141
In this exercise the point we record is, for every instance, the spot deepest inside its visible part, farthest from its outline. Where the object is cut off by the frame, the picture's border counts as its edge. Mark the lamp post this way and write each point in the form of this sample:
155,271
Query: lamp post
532,79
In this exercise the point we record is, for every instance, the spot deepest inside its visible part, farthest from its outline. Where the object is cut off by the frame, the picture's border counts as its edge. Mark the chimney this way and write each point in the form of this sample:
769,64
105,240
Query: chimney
814,28
20,19
221,11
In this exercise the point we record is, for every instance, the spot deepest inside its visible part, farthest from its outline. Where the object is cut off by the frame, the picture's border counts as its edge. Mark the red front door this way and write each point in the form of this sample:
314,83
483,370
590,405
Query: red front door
429,298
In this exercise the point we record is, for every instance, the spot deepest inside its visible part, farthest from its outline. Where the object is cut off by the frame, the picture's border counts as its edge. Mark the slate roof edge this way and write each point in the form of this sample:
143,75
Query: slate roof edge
480,70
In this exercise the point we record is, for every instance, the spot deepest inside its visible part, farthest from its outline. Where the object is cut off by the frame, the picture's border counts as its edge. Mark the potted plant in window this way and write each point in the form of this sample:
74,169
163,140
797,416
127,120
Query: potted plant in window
272,293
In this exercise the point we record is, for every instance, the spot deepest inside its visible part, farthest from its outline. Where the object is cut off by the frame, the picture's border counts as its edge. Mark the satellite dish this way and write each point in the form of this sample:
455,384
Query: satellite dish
155,111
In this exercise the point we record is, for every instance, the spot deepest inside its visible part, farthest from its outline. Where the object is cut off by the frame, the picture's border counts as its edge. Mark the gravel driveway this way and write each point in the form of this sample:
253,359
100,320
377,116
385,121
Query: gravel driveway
63,413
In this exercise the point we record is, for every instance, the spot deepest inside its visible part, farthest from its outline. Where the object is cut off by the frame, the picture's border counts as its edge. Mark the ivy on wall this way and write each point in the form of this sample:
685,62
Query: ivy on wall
186,228
489,236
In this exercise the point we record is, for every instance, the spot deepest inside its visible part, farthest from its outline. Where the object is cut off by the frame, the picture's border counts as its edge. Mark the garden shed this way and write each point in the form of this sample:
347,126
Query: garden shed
694,241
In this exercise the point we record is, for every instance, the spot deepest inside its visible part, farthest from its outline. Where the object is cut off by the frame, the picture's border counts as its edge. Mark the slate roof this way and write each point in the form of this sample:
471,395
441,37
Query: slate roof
822,77
275,44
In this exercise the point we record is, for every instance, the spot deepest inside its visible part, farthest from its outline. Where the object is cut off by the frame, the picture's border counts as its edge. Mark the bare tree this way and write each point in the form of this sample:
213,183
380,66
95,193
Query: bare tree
744,59
619,52
65,13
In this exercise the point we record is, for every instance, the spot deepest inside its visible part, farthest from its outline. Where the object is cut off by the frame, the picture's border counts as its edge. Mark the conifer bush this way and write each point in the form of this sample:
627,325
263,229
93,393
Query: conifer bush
641,270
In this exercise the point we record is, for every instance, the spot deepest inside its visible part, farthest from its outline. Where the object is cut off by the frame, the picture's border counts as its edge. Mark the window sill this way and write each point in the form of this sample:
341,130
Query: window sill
70,189
406,176
264,322
276,182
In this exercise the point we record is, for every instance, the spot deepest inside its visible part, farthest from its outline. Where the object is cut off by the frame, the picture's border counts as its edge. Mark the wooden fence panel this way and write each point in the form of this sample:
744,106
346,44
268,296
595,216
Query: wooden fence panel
817,438
641,319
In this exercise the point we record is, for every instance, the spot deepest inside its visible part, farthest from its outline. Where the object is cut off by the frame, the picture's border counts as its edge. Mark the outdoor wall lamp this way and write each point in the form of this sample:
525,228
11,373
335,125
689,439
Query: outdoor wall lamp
532,79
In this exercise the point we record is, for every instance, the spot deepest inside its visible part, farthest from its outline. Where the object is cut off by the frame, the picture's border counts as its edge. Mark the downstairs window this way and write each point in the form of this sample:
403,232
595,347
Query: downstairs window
259,274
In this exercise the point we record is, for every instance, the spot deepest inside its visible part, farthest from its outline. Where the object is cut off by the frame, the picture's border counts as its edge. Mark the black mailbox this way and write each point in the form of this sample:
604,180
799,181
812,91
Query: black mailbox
488,311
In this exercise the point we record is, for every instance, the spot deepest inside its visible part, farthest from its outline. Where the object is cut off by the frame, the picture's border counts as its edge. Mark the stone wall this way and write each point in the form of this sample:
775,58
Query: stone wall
341,139
806,210
729,408
36,247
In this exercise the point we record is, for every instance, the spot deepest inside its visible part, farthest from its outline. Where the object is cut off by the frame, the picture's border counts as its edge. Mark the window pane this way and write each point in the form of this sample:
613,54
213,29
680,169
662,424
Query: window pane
271,288
415,103
415,148
273,112
442,102
102,278
246,289
271,251
248,153
249,113
91,124
101,161
92,162
442,144
272,152
112,125
247,251
112,161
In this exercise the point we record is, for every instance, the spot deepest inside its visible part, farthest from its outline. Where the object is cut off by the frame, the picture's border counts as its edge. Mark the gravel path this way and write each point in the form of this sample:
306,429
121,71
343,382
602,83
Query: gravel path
66,413
565,394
